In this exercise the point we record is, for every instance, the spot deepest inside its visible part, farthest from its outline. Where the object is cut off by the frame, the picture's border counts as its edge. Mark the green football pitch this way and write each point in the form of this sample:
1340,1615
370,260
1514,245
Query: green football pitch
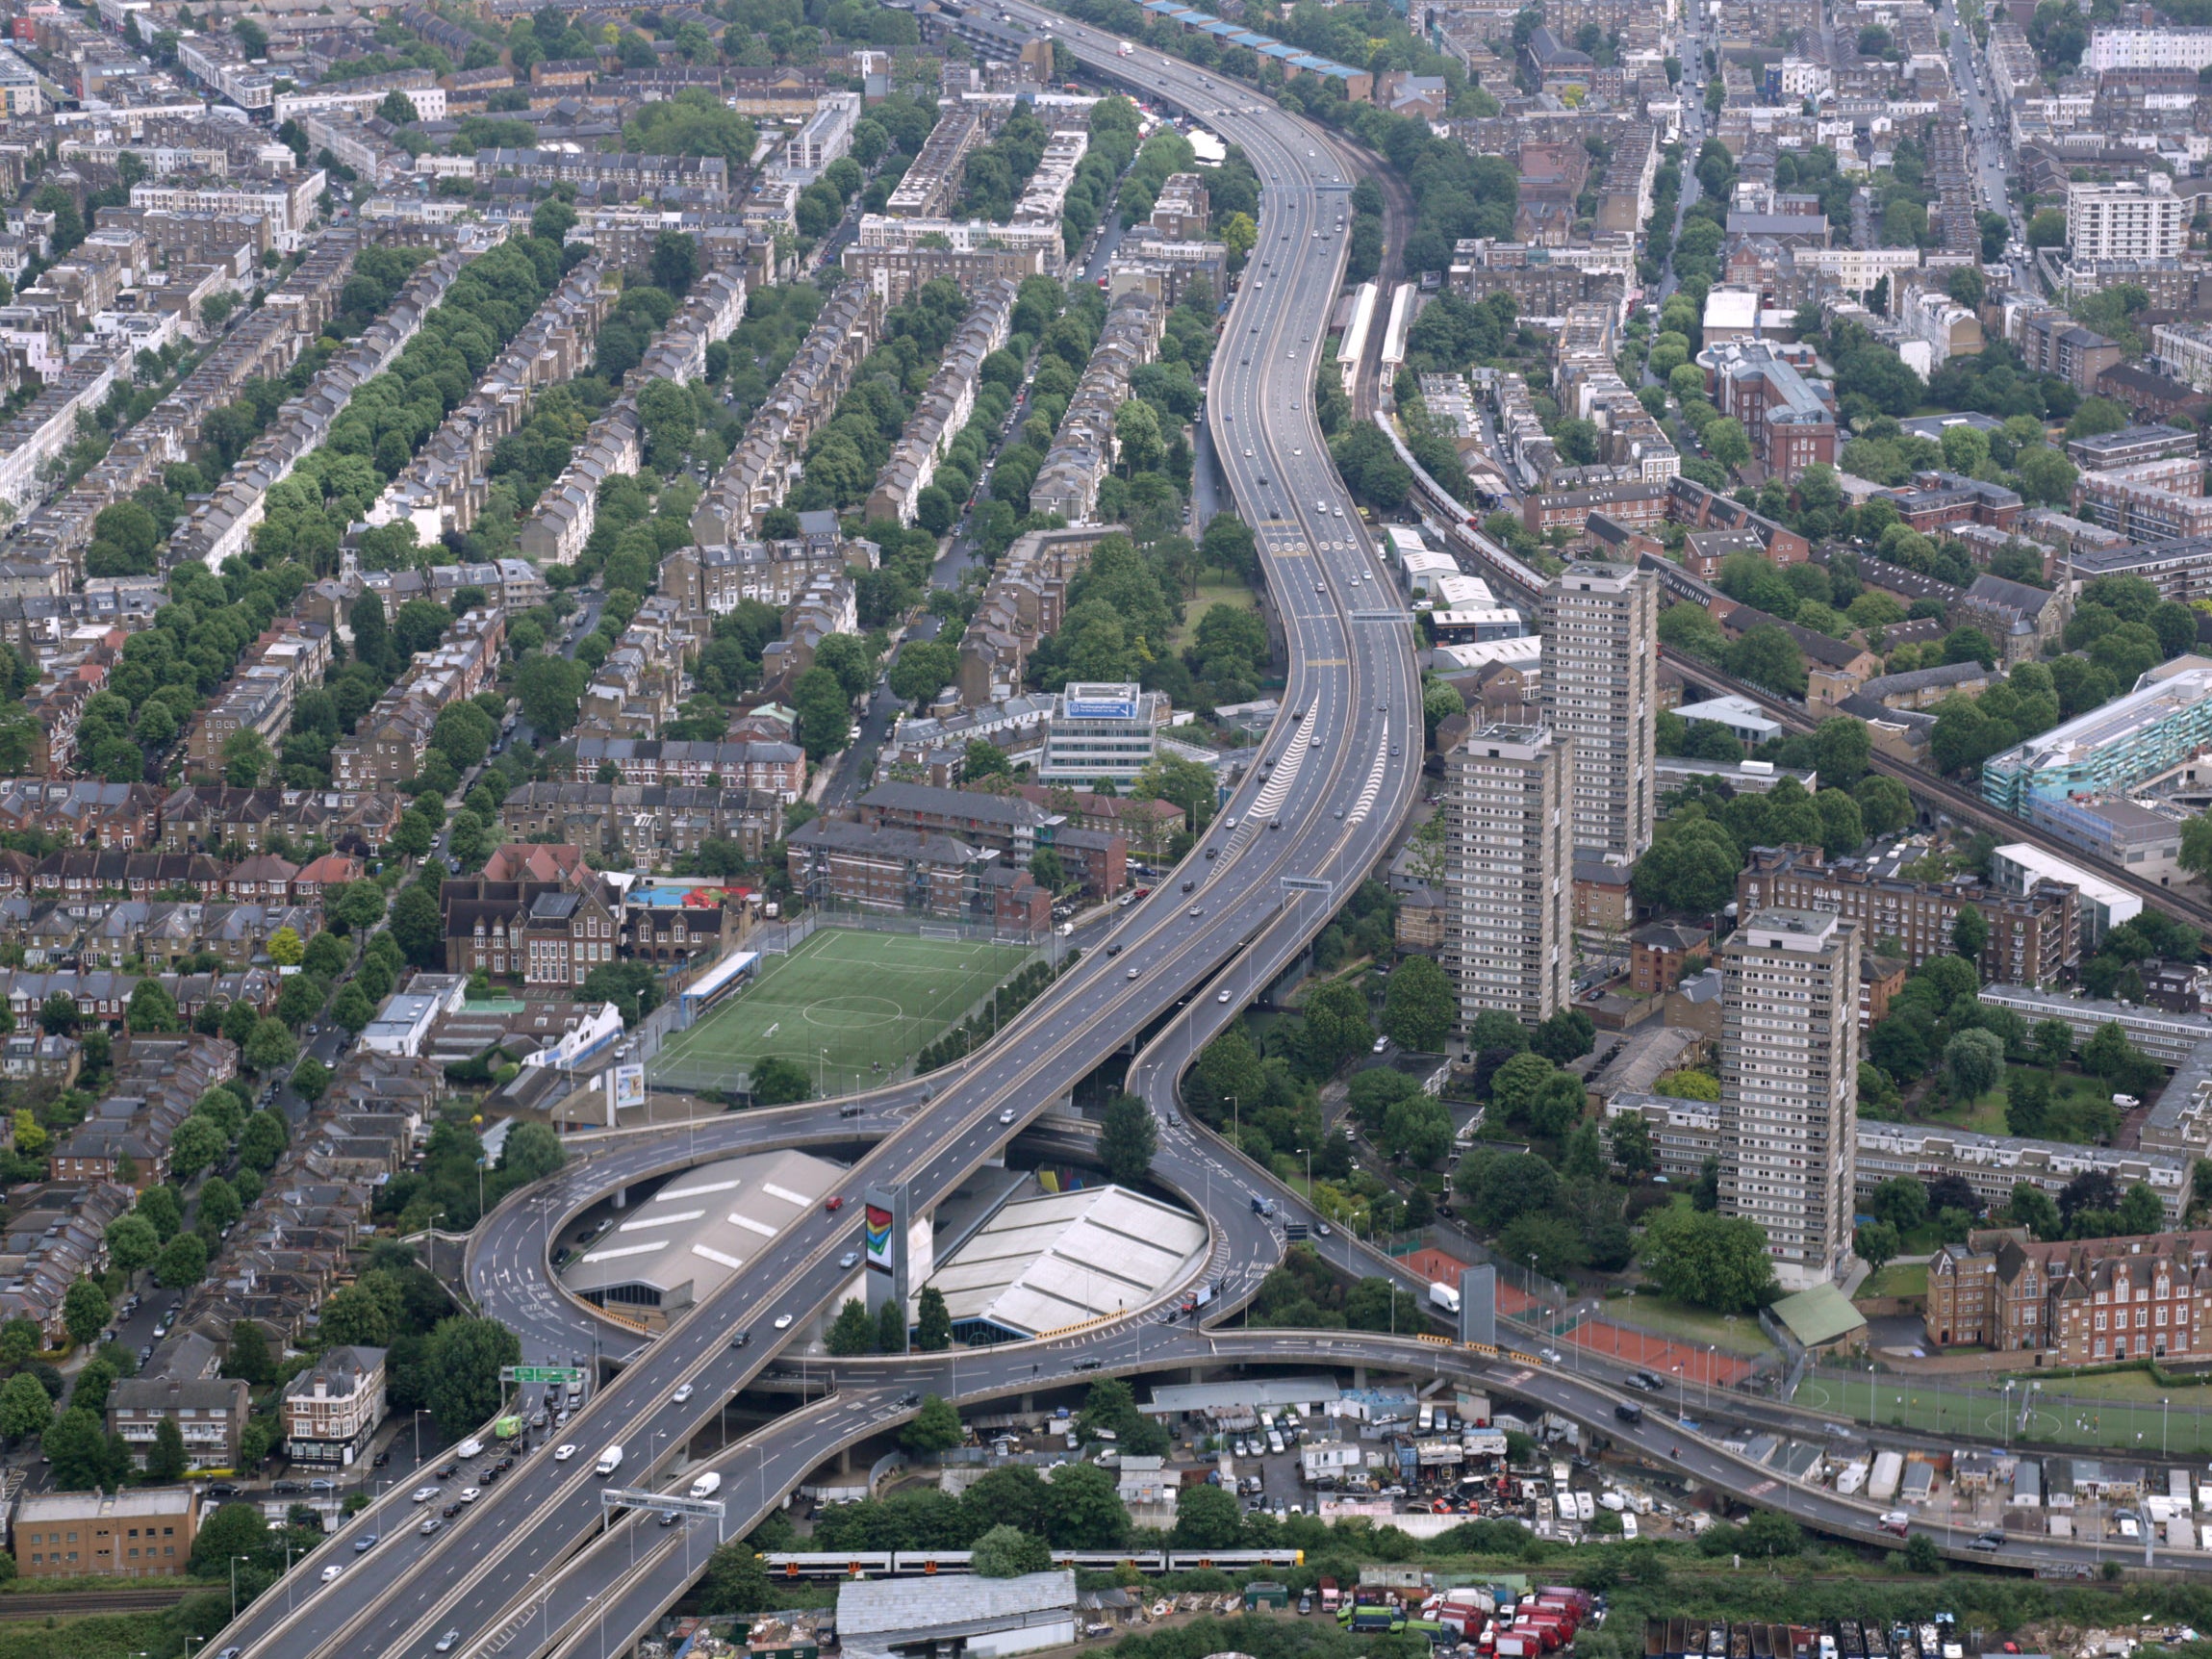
849,1004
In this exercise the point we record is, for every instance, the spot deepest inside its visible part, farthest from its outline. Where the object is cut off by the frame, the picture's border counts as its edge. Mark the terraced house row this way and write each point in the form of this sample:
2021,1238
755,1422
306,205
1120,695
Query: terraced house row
944,406
767,460
219,526
392,738
615,445
448,483
1083,448
266,344
640,686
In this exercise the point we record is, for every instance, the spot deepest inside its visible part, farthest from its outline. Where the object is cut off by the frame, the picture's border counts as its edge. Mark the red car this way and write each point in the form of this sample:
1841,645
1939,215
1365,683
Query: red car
835,1204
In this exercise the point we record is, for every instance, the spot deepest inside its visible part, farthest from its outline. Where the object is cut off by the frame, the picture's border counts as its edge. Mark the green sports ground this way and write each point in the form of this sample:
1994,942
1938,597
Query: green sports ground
849,1003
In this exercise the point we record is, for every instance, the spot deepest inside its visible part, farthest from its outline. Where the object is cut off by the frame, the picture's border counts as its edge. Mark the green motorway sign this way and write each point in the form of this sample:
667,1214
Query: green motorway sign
545,1374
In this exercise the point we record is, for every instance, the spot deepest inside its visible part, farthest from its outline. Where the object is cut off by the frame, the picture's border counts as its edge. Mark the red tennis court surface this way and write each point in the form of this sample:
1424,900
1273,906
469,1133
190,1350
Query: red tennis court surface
1440,1268
1658,1355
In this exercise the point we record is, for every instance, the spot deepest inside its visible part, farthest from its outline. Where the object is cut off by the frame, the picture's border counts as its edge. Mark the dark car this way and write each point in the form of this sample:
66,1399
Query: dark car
450,1510
379,1460
1088,1364
222,1489
1991,1540
284,1487
447,1473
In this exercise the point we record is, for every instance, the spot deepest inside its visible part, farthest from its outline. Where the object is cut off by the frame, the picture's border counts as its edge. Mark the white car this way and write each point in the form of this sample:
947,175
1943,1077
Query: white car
783,1321
682,1392
470,1494
565,1451
422,1494
1223,997
1007,1115
332,1572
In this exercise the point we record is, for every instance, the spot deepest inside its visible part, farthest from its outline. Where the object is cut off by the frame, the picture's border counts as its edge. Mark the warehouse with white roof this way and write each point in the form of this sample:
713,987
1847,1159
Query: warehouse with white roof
677,1248
1050,1260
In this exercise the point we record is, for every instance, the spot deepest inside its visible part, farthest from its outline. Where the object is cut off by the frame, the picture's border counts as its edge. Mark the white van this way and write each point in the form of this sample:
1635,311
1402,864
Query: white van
707,1486
467,1449
610,1461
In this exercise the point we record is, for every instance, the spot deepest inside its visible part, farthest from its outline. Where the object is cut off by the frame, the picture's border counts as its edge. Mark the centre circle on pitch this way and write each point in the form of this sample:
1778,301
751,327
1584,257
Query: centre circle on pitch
851,1013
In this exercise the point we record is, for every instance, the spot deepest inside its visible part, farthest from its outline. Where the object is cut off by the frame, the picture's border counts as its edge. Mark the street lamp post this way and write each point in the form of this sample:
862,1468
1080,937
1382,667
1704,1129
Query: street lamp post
234,1561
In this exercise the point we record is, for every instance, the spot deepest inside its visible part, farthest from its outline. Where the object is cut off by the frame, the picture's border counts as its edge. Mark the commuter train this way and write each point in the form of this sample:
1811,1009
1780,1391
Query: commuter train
921,1563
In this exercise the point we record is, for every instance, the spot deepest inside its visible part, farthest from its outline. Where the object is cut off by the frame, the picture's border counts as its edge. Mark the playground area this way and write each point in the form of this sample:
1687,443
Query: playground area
850,1006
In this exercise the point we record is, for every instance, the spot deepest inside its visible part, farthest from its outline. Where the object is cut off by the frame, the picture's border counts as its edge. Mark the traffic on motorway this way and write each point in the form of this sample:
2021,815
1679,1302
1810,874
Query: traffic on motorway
1317,820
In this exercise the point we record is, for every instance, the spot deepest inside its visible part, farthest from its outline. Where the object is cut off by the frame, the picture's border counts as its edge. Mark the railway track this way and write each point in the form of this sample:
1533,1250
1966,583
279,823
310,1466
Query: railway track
1962,803
81,1604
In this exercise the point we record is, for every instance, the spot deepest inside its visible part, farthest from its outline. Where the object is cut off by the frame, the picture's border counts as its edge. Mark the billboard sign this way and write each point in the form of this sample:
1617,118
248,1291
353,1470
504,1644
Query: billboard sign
882,1230
629,1087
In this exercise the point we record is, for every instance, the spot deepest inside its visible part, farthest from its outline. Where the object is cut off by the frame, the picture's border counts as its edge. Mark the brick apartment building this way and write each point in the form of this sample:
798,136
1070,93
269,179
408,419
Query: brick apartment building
146,1533
2033,939
836,860
2080,1302
542,932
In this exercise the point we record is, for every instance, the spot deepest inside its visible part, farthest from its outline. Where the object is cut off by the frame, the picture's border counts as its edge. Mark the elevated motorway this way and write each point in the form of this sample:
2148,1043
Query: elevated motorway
1343,764
614,1589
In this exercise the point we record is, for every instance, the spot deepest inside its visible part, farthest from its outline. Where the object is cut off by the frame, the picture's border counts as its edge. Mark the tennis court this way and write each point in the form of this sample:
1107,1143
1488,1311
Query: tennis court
851,1005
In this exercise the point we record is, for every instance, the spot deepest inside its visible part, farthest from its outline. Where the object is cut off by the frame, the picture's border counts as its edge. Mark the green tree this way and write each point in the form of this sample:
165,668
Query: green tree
25,1407
2033,1208
550,689
1845,749
1335,1027
778,1081
1128,1138
2139,1210
1876,1244
1974,1061
158,1205
934,1428
352,1008
852,1332
270,1048
310,1078
824,713
166,1459
1084,1511
460,1366
1629,1139
1709,1261
247,1358
1420,1007
183,1262
1901,1202
933,1322
132,1244
1206,1518
152,1010
1002,1552
736,1581
84,1310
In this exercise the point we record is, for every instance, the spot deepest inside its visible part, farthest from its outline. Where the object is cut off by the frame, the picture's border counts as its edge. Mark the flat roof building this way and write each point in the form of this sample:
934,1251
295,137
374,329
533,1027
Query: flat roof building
675,1249
2161,723
145,1532
981,1618
1050,1260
